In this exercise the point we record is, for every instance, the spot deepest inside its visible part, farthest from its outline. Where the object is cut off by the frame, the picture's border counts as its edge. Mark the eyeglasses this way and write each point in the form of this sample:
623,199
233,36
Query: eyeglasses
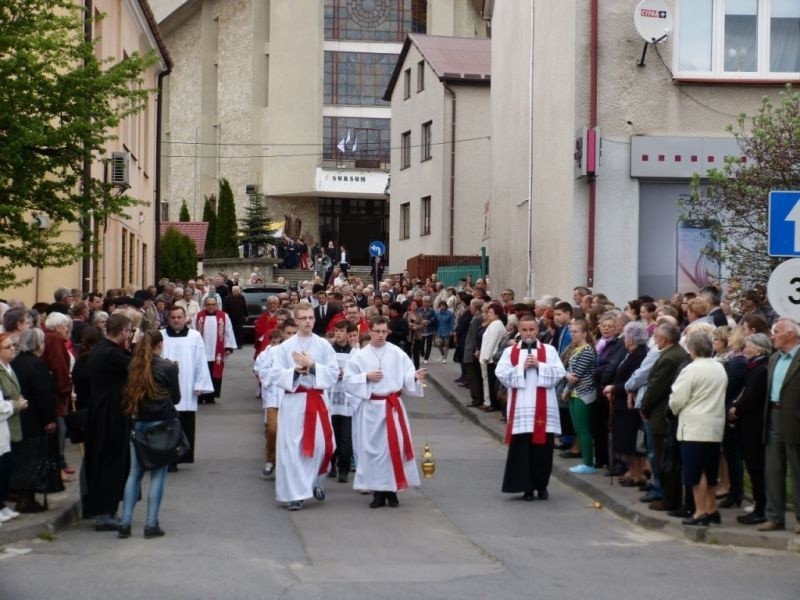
11,347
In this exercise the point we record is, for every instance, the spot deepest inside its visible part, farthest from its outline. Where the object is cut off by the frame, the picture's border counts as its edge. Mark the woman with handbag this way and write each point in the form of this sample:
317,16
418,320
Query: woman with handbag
150,396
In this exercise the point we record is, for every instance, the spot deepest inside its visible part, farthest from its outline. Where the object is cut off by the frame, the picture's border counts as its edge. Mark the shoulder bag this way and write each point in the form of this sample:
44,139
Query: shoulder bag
160,445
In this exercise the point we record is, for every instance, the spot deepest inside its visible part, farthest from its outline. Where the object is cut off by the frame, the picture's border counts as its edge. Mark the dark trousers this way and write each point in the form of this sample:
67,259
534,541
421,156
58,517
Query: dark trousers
343,268
343,433
6,467
754,462
475,379
731,450
671,485
528,466
328,275
217,382
427,344
490,367
415,350
186,417
238,331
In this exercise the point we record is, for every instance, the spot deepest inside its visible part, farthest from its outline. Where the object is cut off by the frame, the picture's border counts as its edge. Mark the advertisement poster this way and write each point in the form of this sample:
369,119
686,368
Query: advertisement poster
695,268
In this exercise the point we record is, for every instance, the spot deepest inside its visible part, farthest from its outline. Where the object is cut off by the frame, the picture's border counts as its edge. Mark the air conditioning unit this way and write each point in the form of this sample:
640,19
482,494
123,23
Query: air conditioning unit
120,169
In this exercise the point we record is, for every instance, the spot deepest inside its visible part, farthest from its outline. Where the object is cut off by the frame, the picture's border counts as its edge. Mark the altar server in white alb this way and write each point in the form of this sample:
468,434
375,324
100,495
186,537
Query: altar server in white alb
530,370
217,331
305,368
375,376
185,347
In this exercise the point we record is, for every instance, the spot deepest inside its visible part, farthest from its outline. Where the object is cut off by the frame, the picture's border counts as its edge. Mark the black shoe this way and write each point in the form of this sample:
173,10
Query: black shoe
563,446
570,454
31,506
702,520
680,513
107,526
528,496
153,532
715,518
543,494
124,532
474,404
342,477
378,500
332,474
391,497
649,497
211,401
751,519
731,501
646,487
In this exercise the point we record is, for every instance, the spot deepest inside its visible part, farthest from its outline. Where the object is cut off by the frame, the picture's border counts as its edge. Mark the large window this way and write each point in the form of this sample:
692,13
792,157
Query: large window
357,78
738,39
405,150
365,141
374,20
405,221
425,216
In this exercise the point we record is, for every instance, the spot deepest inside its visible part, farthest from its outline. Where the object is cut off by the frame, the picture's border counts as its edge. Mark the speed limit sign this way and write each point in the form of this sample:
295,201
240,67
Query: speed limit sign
783,289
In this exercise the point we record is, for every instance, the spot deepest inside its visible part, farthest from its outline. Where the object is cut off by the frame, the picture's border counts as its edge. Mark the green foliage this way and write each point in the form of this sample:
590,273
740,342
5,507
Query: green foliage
255,225
178,256
226,235
210,217
59,106
735,199
184,216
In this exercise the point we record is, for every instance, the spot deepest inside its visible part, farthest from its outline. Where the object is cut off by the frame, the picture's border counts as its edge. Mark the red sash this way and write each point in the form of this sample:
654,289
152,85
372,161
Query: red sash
219,349
539,436
315,408
393,406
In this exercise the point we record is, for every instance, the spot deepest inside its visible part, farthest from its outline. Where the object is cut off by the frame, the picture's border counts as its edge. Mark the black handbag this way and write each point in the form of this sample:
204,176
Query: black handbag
75,423
161,445
47,474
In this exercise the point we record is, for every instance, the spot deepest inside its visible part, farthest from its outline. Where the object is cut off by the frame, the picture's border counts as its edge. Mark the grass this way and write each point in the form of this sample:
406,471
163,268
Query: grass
47,536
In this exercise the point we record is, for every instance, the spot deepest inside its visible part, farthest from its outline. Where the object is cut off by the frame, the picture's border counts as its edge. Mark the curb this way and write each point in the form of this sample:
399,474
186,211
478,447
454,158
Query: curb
706,535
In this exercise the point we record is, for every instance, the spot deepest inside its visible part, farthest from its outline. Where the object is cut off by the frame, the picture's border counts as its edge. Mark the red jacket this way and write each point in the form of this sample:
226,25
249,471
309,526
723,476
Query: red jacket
56,357
265,325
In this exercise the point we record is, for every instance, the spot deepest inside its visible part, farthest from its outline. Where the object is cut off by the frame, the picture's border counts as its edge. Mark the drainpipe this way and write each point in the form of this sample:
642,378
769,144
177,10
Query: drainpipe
592,123
529,253
157,195
86,182
450,91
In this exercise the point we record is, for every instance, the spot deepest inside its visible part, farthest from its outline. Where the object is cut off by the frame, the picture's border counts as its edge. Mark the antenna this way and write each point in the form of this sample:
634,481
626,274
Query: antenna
653,21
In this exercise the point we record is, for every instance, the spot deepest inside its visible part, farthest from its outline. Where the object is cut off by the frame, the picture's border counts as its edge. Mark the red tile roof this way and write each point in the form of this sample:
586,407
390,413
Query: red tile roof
195,230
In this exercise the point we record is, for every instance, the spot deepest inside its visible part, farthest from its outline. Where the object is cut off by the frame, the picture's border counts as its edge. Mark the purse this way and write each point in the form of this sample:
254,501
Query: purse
47,473
75,422
161,445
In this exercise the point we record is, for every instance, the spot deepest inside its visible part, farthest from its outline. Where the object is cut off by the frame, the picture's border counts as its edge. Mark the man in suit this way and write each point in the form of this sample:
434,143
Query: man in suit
323,313
344,260
654,409
714,297
782,423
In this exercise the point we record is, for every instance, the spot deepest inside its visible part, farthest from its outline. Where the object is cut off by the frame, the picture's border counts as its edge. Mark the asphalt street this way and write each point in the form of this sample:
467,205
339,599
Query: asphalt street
457,536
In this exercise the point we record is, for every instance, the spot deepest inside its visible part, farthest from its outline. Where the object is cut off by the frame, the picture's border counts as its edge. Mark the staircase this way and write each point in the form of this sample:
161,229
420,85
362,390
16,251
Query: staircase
296,276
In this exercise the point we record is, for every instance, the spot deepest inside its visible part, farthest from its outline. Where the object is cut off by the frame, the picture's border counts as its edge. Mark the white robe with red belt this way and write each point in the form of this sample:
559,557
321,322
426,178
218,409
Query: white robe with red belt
296,473
377,463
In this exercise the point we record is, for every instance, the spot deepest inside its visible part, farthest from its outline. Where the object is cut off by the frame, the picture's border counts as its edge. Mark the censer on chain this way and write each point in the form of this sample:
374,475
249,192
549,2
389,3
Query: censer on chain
428,462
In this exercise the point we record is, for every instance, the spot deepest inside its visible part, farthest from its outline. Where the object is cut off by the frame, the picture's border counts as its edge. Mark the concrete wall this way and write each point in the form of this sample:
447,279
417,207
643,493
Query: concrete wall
458,18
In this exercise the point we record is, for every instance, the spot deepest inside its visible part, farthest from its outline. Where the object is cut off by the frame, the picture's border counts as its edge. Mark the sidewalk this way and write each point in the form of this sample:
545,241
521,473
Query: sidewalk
63,509
624,502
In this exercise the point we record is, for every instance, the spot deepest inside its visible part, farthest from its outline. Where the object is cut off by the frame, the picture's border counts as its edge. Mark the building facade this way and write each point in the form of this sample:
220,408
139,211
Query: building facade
440,148
286,99
127,244
552,227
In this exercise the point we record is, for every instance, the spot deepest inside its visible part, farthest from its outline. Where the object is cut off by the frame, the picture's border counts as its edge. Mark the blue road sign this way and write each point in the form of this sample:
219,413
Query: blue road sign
377,249
784,223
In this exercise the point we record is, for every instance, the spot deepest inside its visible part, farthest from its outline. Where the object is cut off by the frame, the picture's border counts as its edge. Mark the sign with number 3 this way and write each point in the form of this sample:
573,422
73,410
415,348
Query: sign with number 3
783,289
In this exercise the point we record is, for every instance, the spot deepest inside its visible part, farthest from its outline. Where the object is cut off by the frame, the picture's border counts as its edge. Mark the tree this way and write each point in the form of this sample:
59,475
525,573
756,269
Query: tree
178,256
226,243
734,203
184,216
256,225
210,217
59,106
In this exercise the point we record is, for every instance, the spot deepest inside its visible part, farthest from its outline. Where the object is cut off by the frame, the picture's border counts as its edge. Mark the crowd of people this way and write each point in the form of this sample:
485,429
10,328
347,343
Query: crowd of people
676,397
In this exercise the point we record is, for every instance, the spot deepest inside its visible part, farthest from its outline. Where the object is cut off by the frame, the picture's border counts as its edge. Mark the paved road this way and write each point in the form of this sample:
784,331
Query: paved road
456,537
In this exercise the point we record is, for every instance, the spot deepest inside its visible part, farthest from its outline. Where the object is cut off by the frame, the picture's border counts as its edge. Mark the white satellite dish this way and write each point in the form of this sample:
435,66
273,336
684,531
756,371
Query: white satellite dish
653,20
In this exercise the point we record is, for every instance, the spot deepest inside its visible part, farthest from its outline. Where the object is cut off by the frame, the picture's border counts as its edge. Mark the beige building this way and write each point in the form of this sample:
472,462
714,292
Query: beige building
658,123
440,147
286,99
127,245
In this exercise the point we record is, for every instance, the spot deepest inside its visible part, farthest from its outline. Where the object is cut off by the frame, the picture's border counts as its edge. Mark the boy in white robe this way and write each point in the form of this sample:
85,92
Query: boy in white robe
376,375
270,402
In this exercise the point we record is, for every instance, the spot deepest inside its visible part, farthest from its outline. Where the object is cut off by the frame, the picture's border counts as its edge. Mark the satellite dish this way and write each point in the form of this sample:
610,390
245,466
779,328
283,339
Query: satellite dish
653,20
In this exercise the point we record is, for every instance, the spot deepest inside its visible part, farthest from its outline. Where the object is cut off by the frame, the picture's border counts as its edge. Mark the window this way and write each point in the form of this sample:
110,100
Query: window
123,258
406,84
425,147
425,214
737,39
405,221
144,264
405,150
374,20
357,78
420,76
355,138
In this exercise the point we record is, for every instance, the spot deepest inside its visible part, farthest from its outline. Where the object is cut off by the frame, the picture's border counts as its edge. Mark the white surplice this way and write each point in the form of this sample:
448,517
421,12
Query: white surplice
374,469
342,403
547,375
209,334
270,394
190,354
296,474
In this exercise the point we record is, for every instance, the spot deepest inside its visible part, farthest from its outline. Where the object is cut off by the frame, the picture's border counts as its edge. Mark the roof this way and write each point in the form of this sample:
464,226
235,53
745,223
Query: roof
195,230
153,24
452,59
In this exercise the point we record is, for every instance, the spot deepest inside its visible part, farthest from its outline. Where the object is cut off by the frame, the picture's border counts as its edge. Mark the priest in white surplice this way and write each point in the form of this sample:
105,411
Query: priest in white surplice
217,330
305,368
185,346
375,376
530,370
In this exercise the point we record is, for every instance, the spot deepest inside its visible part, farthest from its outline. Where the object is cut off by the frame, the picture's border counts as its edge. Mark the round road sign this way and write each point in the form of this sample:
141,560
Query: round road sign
783,289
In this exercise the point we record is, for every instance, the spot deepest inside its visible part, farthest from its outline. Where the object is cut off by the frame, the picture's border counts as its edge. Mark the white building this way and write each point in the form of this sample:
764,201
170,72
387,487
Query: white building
551,229
440,147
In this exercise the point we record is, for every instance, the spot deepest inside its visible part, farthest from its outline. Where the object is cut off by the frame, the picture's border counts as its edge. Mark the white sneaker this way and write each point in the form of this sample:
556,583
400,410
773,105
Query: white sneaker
424,361
11,514
444,360
268,472
4,518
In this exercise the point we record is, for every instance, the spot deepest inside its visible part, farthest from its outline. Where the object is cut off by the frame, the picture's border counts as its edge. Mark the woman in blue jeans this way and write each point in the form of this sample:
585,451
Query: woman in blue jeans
151,393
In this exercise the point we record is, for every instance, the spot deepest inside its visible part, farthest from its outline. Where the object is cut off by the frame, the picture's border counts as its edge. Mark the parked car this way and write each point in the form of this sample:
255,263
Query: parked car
256,298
